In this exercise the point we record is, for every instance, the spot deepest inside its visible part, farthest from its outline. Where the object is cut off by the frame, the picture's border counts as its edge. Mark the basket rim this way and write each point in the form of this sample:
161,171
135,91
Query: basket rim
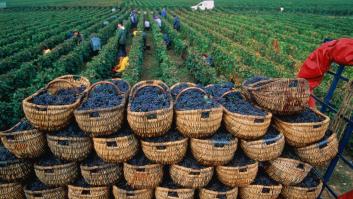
225,167
190,84
20,139
50,189
102,139
215,109
330,139
302,188
208,141
233,190
325,121
102,188
55,137
134,191
8,131
256,186
269,115
61,166
179,167
101,110
163,110
149,166
160,188
289,160
10,184
252,88
153,144
279,137
105,166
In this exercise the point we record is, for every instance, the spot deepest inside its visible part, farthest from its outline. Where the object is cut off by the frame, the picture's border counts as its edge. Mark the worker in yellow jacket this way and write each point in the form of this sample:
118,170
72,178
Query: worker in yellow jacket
123,63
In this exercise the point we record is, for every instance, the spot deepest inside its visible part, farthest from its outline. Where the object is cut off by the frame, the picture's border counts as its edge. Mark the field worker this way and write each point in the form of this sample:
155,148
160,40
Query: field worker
176,23
164,13
158,21
147,25
133,19
95,44
121,40
69,35
167,40
122,64
208,59
78,37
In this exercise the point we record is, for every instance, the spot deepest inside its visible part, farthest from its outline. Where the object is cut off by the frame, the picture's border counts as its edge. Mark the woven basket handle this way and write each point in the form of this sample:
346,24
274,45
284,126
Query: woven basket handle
322,144
116,89
272,140
111,144
220,144
311,190
140,169
243,169
94,169
190,84
52,89
134,92
301,166
74,77
221,196
190,88
86,192
194,173
130,194
48,170
161,148
37,195
173,194
266,190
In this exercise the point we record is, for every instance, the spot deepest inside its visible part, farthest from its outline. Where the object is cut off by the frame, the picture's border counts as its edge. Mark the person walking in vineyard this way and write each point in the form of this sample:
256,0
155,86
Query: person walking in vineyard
78,37
133,19
164,13
121,32
95,44
158,21
176,23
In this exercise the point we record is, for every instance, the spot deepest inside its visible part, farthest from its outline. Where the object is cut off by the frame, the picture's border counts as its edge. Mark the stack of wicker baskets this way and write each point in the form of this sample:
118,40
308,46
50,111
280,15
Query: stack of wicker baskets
179,167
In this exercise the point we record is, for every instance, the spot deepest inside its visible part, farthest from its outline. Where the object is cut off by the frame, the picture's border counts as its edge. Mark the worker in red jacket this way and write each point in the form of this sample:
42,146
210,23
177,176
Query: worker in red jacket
319,62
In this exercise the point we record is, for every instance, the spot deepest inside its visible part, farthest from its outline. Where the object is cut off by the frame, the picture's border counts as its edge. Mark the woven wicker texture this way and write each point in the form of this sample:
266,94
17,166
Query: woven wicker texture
262,150
295,192
135,194
76,192
57,175
152,123
198,123
260,191
103,175
102,121
24,144
303,134
70,148
11,191
15,171
212,152
76,80
318,154
191,178
166,152
53,193
166,193
209,194
288,171
143,177
246,126
50,117
237,176
280,95
118,149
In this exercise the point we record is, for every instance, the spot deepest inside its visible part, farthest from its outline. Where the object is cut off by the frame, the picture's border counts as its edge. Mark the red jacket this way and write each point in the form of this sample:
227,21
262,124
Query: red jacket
318,63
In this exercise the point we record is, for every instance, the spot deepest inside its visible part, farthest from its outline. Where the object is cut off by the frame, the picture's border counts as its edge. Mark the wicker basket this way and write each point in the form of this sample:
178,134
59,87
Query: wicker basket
101,121
212,152
132,194
102,175
152,123
52,193
209,194
295,192
50,117
318,154
191,178
280,95
264,150
246,126
198,123
237,176
70,148
260,191
57,175
11,190
303,134
189,84
143,177
24,144
118,149
17,170
288,171
166,193
76,80
166,152
77,192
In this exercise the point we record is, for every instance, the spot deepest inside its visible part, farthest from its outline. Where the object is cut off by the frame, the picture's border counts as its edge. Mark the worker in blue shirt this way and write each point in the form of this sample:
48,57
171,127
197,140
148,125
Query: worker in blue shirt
176,23
164,12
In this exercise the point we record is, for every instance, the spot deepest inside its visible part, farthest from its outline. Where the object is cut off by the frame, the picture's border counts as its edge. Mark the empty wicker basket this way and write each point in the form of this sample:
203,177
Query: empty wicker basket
152,123
191,178
264,150
281,95
288,171
318,154
143,177
102,121
70,148
51,193
213,152
120,193
57,175
51,117
116,149
246,126
198,123
11,190
303,134
24,144
165,152
102,175
78,192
